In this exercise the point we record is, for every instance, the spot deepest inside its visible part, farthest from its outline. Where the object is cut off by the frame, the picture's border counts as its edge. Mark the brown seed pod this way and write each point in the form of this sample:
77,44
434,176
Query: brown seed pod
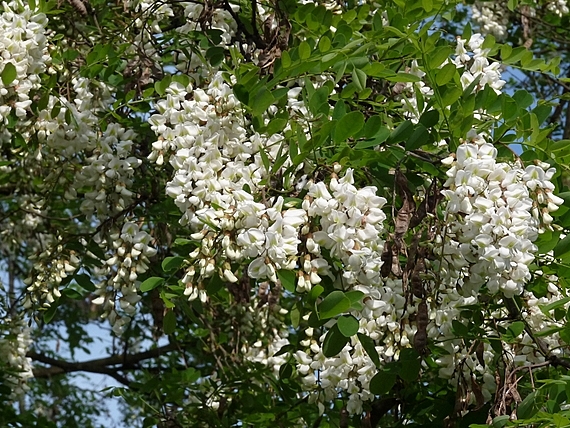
422,321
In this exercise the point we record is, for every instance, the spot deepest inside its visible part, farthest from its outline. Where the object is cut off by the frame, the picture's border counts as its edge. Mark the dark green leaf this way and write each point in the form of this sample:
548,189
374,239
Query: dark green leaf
402,132
359,78
295,317
288,279
50,313
172,263
402,77
382,382
334,342
429,118
85,281
348,126
348,325
169,322
333,304
263,99
439,56
563,247
370,348
515,329
324,44
419,137
285,60
241,93
527,408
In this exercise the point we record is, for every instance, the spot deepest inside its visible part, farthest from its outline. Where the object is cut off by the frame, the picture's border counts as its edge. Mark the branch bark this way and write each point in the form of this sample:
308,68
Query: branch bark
110,366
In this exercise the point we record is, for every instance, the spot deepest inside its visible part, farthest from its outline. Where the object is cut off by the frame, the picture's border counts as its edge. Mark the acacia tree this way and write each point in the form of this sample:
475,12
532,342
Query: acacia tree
335,214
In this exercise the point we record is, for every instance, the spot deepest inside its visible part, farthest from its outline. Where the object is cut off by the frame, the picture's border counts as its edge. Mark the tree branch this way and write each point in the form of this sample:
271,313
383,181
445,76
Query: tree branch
109,365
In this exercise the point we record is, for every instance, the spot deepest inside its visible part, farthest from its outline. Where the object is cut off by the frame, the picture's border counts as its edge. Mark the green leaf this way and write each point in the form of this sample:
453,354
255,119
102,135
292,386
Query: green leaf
382,136
263,99
459,328
419,137
512,5
333,304
509,107
9,73
285,60
172,263
348,126
554,305
276,125
324,44
150,422
162,85
439,56
445,74
151,283
169,322
373,126
451,95
288,279
370,348
402,77
359,78
304,51
402,132
295,317
84,281
51,311
215,284
241,93
410,363
72,293
355,296
382,382
515,329
429,118
427,5
347,325
527,408
334,342
563,247
180,242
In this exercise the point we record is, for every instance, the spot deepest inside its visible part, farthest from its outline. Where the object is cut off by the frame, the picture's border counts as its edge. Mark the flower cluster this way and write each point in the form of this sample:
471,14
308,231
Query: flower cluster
473,65
108,174
494,213
384,318
493,18
16,366
70,128
351,226
22,47
476,64
50,268
119,292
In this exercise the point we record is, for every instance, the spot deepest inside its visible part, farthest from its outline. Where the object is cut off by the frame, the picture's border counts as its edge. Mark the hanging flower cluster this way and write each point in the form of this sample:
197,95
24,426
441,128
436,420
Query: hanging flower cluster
476,64
17,368
494,18
473,64
385,320
119,292
23,50
494,213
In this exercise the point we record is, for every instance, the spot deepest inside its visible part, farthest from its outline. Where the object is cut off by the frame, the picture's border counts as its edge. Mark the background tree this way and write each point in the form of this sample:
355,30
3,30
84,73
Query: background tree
285,214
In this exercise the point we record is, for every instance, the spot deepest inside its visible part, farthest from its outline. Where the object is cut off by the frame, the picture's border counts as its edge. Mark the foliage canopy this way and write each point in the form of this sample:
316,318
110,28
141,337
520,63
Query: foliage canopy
286,213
